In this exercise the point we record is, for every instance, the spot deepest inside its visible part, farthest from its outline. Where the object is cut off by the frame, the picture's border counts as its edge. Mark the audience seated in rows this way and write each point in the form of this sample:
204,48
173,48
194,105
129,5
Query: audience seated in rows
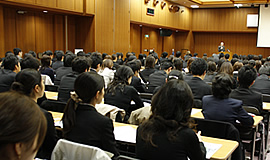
222,108
262,83
79,65
158,78
149,69
135,65
81,121
106,71
45,67
167,133
66,69
29,83
11,66
246,78
58,63
120,94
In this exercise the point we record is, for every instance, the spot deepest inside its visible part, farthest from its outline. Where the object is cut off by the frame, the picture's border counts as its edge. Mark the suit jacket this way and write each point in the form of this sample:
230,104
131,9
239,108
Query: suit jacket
185,145
7,77
60,72
51,138
262,84
209,77
188,77
156,79
137,84
199,88
66,86
249,97
146,73
57,64
122,99
92,128
221,50
47,71
226,110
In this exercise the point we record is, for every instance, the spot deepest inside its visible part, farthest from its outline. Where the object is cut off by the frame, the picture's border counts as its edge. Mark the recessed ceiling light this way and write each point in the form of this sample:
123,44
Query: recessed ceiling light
45,11
176,31
160,28
140,25
238,5
194,6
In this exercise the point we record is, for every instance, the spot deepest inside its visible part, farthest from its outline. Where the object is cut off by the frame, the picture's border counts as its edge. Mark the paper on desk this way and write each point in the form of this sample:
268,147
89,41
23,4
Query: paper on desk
125,134
144,103
211,148
58,123
194,111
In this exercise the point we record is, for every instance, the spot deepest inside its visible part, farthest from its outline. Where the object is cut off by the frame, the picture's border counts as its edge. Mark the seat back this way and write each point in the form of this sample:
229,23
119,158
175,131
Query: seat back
197,103
52,88
125,158
146,96
65,149
266,98
224,130
251,109
55,106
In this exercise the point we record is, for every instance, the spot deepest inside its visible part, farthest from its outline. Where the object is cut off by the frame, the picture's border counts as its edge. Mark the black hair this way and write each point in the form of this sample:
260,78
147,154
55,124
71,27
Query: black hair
33,53
150,62
86,87
265,70
10,62
119,55
175,74
135,65
235,56
219,64
8,53
227,56
221,55
166,65
140,56
26,80
16,51
246,76
30,62
260,57
164,54
59,55
250,57
233,61
178,54
80,64
114,57
211,67
222,85
81,54
48,53
171,108
45,61
195,54
68,58
120,80
178,64
104,55
251,63
198,66
96,59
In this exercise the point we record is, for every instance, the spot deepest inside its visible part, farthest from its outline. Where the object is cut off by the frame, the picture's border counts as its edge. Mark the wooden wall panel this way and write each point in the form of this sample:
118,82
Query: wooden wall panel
59,32
122,26
222,20
2,31
23,1
71,33
169,44
135,38
104,20
153,42
240,43
73,5
90,6
136,10
47,3
10,29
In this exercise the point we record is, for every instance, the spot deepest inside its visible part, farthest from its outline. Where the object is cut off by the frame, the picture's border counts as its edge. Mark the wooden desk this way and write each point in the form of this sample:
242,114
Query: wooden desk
51,95
266,106
57,116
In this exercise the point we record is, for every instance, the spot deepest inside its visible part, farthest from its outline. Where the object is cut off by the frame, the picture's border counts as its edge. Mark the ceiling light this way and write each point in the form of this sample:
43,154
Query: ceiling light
238,5
45,11
176,31
194,6
140,25
160,28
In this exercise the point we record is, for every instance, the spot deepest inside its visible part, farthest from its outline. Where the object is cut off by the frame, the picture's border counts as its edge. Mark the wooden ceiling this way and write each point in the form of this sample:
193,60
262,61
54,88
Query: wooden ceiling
218,3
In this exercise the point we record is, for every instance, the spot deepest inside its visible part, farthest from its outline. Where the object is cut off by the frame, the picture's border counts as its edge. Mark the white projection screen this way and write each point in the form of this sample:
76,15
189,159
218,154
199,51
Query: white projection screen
263,39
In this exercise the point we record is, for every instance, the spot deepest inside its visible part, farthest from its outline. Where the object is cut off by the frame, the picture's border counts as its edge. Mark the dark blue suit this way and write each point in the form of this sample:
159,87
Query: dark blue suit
227,110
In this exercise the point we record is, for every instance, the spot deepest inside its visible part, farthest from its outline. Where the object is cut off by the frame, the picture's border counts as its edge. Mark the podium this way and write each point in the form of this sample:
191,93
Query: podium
230,53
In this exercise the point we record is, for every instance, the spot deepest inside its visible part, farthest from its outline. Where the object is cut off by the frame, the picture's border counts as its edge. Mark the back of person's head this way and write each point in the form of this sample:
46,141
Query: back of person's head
26,81
246,76
16,51
10,62
140,56
268,59
119,55
219,64
96,60
80,64
237,66
68,58
178,64
150,62
221,55
251,63
235,56
30,62
33,53
222,85
233,61
131,58
227,56
258,65
226,67
8,53
86,86
189,61
195,54
45,61
175,74
211,67
104,55
256,57
134,65
171,108
260,57
198,67
114,57
108,63
250,57
245,62
166,65
59,55
48,53
164,54
21,123
108,57
128,54
81,54
264,70
178,54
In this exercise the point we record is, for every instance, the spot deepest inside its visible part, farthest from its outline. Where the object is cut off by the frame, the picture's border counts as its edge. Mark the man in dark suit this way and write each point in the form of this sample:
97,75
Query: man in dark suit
66,69
158,78
135,65
246,78
149,69
96,62
7,75
198,86
58,63
79,65
221,48
262,83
